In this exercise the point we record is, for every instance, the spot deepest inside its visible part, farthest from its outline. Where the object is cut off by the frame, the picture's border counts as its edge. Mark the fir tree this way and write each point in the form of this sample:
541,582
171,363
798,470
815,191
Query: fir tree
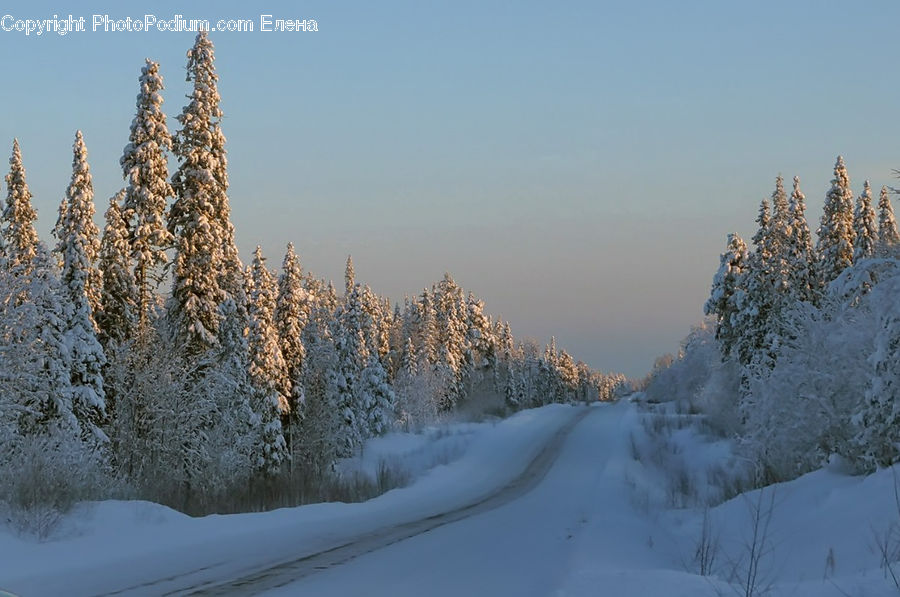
352,355
866,233
726,282
79,238
803,285
887,225
349,277
79,247
146,172
35,364
377,397
291,317
268,371
18,234
118,314
206,269
836,234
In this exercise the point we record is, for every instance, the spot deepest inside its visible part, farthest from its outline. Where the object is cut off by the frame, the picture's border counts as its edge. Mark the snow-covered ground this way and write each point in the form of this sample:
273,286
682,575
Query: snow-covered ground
583,530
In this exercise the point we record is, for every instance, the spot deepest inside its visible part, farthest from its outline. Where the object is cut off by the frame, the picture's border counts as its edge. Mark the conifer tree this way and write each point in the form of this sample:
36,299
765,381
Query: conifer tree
118,316
777,237
146,172
756,298
887,224
291,317
268,371
352,353
378,396
206,266
726,282
349,277
79,247
803,285
866,232
18,234
79,240
35,363
836,234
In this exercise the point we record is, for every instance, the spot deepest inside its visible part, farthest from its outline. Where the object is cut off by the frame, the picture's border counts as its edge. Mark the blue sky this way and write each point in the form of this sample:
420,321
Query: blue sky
577,166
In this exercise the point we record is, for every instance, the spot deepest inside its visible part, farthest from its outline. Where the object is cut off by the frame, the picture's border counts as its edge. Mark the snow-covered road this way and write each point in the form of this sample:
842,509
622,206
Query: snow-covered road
540,544
334,558
138,548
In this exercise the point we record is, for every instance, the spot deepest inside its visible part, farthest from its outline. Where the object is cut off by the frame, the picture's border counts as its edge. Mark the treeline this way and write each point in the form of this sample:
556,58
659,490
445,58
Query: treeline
801,355
241,376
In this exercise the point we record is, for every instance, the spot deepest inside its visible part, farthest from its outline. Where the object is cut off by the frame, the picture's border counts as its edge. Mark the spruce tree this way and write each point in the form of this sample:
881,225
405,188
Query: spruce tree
18,234
803,285
887,224
726,282
79,247
836,234
118,316
291,317
349,277
866,232
146,172
206,270
36,364
268,371
755,300
79,238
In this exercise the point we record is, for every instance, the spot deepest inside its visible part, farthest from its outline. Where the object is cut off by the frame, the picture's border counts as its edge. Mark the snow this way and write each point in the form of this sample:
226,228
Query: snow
581,531
114,545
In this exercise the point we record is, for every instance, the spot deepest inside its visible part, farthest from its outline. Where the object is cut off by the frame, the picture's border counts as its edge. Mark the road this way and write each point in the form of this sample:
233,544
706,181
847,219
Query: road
290,571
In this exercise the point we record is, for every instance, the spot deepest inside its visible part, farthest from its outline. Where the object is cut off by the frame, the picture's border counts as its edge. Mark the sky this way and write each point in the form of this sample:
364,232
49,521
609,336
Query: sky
576,166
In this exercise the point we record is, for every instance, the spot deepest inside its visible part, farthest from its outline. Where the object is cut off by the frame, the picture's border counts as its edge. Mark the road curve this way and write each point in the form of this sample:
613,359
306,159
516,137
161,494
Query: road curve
292,570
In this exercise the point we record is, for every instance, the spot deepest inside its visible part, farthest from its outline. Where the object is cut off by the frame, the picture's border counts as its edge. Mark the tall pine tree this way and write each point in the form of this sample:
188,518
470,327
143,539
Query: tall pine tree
79,247
118,316
887,224
866,232
146,172
18,234
836,234
207,269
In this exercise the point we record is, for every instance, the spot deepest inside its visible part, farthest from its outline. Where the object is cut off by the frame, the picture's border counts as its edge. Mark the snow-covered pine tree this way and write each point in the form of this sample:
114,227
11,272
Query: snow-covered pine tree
802,259
568,376
268,371
480,340
79,248
207,267
424,329
291,317
349,277
352,351
316,445
35,364
329,299
146,172
18,234
755,297
118,315
79,240
887,224
726,282
866,231
377,396
836,234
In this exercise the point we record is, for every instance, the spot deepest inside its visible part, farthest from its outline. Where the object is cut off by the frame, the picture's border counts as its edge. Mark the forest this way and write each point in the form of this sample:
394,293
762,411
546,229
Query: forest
238,388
